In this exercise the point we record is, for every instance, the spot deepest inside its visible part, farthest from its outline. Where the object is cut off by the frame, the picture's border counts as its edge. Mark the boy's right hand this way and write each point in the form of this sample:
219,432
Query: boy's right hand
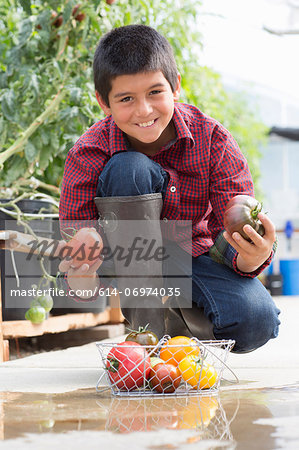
85,269
82,278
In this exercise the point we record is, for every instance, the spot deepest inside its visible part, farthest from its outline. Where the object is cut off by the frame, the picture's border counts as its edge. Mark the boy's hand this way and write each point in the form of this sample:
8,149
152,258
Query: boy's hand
252,255
88,270
81,278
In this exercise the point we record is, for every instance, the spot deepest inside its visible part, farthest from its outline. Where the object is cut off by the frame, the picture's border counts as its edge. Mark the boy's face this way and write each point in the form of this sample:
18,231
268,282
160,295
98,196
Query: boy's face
142,107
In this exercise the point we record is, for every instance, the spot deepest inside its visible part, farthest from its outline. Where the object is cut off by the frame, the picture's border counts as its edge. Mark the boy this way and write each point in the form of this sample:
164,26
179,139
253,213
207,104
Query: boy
152,158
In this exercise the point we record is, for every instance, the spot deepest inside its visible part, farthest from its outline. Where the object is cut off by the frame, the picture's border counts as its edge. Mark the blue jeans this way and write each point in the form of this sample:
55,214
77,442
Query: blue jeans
240,308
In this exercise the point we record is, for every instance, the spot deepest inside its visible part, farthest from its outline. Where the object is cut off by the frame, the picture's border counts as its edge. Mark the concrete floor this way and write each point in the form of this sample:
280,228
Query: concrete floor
54,395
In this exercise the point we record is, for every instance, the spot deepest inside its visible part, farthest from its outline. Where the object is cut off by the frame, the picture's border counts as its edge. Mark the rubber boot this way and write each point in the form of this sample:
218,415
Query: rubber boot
143,213
189,322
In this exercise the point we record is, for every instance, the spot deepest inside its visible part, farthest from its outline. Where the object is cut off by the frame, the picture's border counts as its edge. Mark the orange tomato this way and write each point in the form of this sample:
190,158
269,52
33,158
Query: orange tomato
177,348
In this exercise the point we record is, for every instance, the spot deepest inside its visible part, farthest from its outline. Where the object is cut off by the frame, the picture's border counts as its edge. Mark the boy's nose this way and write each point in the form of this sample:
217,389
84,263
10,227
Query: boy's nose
143,109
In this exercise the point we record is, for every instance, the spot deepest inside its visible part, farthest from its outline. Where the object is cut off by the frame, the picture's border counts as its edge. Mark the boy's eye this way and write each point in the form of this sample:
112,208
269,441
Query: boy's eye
126,99
155,92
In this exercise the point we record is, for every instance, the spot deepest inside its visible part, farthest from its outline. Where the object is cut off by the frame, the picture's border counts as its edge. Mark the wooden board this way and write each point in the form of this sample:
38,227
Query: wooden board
58,324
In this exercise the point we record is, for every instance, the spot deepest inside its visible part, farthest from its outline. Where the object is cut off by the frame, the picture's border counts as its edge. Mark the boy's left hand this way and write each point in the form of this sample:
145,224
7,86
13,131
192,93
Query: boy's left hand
252,255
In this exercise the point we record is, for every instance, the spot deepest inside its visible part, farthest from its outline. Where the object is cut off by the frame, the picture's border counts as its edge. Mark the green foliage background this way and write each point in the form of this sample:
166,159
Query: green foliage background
46,85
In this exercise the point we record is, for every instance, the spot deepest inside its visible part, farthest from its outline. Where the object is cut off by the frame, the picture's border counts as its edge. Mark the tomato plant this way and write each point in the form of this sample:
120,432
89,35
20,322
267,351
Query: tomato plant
128,365
242,210
144,337
84,247
164,378
47,96
198,373
176,348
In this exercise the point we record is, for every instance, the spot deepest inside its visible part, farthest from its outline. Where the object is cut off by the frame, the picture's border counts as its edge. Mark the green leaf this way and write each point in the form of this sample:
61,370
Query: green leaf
3,80
3,131
75,95
26,5
30,152
25,31
67,11
1,125
45,157
44,20
45,136
14,170
8,104
68,113
94,18
14,58
49,151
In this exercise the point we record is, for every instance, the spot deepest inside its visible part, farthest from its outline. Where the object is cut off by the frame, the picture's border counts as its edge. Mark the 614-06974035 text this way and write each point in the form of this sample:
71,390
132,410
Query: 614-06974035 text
143,292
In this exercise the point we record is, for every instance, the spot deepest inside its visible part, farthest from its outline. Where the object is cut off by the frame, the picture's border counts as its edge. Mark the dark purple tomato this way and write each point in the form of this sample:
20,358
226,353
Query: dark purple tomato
242,210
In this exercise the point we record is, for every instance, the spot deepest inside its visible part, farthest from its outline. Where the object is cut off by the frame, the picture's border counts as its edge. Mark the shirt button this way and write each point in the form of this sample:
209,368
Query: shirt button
165,219
172,189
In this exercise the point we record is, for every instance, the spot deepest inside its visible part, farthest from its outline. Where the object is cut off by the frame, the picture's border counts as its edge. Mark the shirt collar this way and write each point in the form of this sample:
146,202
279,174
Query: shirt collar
181,119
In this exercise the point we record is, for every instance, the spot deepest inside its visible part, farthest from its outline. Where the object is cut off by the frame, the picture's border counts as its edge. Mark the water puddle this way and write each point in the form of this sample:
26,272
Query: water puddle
245,419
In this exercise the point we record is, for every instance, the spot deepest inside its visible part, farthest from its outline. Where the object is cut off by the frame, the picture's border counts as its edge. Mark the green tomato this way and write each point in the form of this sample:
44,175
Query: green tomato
34,303
46,301
36,314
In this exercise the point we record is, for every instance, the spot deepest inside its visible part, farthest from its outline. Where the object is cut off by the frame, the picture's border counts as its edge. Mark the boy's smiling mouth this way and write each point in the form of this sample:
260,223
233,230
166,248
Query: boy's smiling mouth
147,124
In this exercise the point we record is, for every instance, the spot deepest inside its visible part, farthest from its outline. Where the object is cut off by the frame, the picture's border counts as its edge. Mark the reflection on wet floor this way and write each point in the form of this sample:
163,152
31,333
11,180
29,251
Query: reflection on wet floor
244,418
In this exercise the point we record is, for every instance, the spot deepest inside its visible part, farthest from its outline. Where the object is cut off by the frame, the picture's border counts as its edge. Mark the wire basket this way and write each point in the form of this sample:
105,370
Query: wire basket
185,369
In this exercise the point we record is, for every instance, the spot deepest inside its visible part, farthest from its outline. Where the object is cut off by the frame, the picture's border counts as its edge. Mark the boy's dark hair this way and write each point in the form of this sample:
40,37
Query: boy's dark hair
132,49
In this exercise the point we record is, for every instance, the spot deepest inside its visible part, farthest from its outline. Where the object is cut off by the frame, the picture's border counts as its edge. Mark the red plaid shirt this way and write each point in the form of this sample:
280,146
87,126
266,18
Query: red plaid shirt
204,163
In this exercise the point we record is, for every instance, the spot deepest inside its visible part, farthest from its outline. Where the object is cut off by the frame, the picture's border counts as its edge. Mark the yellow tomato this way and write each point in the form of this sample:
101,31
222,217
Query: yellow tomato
196,372
177,348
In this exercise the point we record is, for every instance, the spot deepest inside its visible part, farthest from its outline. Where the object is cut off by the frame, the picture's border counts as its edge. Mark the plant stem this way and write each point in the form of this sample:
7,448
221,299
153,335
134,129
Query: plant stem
27,227
19,143
34,183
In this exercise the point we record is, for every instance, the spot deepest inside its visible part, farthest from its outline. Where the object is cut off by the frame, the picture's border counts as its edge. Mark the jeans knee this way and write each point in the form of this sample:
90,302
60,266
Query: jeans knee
257,323
257,328
130,173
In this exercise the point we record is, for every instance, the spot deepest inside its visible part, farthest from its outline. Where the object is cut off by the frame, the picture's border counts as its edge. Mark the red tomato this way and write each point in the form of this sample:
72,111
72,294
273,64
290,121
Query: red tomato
122,359
58,21
164,378
85,247
242,210
75,10
79,16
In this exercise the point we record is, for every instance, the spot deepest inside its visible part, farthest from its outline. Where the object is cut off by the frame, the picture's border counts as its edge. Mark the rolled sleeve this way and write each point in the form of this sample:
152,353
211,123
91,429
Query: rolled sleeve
223,253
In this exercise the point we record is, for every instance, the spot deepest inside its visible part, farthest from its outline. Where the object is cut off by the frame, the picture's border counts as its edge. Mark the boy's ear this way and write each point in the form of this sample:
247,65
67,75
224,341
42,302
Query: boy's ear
176,93
103,104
